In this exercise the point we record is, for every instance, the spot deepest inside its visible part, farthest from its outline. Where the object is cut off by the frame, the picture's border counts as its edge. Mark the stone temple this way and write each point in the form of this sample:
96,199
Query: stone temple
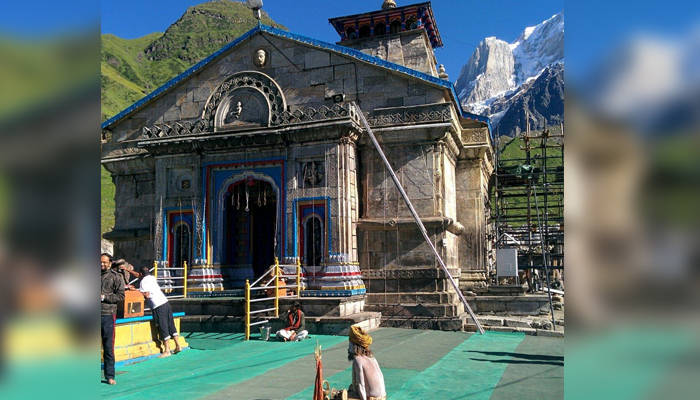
258,152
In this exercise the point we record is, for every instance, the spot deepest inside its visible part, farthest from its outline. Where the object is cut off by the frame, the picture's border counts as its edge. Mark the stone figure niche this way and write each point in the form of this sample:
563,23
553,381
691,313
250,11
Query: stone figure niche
244,107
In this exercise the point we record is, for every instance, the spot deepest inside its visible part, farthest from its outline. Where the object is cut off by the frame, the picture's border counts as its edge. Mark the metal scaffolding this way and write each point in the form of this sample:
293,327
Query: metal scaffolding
527,196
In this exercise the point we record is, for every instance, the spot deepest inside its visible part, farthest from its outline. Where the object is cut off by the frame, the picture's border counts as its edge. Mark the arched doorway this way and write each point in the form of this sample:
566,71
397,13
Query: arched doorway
250,218
313,241
182,246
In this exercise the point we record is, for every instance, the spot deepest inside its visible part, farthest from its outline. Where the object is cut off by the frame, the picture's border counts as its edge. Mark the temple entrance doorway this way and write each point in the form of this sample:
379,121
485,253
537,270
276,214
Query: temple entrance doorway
250,217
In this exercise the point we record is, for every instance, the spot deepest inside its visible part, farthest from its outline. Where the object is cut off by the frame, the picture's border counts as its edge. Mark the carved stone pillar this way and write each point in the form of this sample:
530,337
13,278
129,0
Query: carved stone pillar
471,191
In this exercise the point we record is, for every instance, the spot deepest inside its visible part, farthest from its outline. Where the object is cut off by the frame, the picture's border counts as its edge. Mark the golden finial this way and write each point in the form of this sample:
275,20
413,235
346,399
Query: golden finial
388,4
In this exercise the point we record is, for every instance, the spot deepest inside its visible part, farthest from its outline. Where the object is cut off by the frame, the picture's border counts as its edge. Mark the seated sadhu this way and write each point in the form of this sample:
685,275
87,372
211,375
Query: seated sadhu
293,322
367,379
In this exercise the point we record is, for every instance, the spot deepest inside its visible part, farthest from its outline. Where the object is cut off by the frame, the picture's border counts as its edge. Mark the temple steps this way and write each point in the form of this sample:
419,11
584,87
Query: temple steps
315,325
324,315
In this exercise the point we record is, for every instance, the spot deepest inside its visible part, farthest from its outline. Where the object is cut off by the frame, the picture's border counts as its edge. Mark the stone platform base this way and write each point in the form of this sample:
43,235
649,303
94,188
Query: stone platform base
506,290
235,307
136,339
324,315
315,325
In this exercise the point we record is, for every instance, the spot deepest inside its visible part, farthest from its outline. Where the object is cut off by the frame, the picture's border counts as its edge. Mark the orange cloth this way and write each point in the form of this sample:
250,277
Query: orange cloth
318,385
359,337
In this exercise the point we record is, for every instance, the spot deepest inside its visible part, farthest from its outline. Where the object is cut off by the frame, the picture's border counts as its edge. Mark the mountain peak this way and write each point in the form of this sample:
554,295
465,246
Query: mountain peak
499,73
203,29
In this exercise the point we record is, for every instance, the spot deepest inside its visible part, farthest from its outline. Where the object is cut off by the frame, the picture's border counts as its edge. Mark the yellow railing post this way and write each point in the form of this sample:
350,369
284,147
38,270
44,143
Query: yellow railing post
155,269
298,277
184,289
247,309
277,287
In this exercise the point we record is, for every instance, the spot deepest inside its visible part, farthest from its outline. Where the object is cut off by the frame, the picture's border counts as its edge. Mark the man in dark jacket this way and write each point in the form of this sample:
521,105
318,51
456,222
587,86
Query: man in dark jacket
111,294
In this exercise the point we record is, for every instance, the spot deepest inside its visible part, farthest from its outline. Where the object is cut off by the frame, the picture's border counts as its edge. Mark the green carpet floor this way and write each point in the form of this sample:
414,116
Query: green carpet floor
416,364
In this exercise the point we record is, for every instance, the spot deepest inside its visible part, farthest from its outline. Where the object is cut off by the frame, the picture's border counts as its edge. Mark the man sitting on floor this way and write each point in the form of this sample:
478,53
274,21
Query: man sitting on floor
294,327
367,378
162,313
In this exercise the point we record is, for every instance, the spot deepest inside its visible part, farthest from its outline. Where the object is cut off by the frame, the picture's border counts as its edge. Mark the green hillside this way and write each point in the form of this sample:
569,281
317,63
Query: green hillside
132,68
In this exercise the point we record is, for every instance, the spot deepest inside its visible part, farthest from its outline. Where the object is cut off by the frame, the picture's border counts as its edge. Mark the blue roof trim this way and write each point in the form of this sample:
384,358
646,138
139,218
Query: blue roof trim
313,42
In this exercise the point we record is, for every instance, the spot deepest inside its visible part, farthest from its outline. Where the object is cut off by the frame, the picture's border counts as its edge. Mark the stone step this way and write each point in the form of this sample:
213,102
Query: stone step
559,333
411,310
412,297
325,325
427,323
523,322
526,304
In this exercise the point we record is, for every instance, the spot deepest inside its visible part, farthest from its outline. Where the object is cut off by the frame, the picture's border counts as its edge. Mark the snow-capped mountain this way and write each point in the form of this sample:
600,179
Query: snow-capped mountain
650,82
501,75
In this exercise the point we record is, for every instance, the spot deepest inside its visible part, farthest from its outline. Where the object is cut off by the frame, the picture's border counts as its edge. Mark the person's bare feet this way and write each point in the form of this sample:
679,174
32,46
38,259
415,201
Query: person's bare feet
111,382
166,354
177,350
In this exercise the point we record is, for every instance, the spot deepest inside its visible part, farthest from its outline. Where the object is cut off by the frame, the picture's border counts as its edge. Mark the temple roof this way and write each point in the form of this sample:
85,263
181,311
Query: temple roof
358,55
414,16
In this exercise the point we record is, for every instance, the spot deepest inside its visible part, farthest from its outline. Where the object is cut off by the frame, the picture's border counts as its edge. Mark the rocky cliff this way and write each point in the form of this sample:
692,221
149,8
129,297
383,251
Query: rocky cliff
509,81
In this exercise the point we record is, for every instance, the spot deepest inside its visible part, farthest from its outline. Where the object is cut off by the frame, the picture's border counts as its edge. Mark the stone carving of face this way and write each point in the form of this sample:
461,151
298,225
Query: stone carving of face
260,58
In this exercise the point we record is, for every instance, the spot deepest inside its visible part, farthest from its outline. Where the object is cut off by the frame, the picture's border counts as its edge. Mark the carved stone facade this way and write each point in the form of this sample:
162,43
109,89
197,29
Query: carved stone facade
227,168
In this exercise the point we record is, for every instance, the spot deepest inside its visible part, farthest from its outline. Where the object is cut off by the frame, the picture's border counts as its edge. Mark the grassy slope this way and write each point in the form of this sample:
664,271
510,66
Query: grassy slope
512,148
130,69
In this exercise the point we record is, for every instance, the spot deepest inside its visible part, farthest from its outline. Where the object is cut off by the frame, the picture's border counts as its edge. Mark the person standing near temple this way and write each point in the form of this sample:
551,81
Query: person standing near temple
112,292
160,308
294,324
367,378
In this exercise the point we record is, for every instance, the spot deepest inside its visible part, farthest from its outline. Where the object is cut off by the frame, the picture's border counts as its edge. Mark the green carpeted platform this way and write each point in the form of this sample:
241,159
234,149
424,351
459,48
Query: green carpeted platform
416,364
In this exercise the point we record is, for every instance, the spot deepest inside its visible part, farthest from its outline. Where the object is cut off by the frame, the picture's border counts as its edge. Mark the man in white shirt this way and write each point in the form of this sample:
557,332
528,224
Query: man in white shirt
162,313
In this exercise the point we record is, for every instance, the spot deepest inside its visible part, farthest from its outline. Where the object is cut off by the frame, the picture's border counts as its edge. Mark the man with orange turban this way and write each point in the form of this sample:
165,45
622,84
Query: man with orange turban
367,379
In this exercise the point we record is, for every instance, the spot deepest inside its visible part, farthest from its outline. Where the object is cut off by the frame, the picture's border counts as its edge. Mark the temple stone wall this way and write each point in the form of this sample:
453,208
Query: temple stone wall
308,77
371,227
135,193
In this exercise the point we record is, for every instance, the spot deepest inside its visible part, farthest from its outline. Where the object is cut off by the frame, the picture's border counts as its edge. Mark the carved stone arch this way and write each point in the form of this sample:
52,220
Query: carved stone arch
221,196
265,96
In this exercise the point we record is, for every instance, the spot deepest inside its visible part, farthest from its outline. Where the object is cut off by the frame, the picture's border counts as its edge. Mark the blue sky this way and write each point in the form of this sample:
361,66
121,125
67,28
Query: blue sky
462,24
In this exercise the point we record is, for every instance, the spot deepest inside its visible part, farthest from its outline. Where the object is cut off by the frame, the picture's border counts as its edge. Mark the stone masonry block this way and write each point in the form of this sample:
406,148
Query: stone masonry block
189,110
317,59
320,76
490,321
172,115
556,334
345,71
333,88
515,323
202,93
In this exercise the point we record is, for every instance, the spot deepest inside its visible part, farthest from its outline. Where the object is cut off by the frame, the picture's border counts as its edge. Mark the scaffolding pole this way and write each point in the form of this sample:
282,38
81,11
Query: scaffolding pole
417,218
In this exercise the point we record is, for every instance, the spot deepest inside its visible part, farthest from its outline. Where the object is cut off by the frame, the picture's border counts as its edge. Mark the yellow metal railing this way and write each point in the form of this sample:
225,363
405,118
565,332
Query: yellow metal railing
275,271
168,290
184,289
